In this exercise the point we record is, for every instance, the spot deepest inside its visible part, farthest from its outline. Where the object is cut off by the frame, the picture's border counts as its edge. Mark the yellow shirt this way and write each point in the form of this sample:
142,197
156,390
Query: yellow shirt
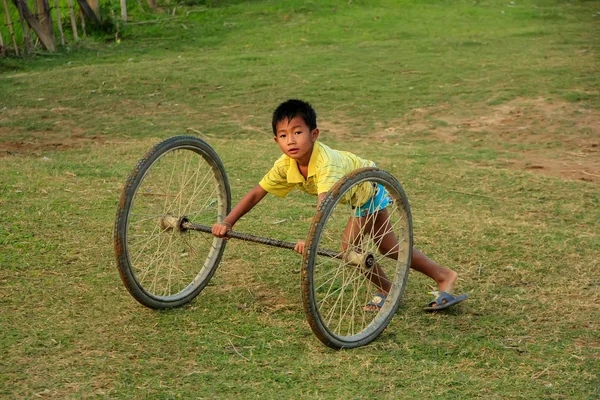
325,168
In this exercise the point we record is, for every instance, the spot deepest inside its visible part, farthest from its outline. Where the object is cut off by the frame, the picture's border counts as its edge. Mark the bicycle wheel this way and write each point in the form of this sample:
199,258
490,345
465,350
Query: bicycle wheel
349,259
162,264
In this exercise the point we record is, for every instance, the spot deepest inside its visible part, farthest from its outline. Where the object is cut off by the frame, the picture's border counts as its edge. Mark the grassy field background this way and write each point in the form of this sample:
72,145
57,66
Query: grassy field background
486,111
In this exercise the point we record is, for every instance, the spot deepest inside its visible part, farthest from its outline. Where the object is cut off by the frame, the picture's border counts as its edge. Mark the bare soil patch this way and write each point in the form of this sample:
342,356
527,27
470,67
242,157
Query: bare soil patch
553,138
53,130
39,142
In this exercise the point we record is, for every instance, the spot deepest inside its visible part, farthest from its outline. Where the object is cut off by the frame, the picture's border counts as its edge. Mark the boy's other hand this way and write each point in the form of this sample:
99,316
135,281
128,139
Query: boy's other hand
220,230
299,247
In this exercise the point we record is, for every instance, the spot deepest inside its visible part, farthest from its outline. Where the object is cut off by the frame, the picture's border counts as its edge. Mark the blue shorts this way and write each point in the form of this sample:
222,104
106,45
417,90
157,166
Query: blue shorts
380,200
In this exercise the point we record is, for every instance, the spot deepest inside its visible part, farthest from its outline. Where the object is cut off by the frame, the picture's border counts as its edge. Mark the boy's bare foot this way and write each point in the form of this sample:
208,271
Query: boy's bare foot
447,283
444,298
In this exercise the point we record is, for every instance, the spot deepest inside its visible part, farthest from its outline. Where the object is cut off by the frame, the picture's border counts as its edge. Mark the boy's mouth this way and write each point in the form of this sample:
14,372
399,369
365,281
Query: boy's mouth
292,151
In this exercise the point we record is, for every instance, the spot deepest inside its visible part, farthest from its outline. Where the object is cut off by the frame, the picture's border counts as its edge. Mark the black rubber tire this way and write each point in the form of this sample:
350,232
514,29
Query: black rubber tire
320,274
168,251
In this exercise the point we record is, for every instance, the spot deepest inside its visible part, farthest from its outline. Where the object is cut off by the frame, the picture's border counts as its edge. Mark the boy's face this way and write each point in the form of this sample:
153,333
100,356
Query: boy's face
295,139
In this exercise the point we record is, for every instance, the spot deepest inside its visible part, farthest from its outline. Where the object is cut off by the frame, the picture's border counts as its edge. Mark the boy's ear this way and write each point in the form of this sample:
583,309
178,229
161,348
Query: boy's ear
315,134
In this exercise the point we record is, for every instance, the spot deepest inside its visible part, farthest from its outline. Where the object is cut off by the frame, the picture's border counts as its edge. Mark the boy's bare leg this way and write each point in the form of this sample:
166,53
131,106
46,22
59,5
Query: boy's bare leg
388,245
445,278
352,235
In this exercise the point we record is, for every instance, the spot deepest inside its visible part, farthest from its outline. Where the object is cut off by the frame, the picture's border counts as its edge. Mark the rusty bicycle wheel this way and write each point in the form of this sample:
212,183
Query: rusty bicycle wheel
336,290
162,264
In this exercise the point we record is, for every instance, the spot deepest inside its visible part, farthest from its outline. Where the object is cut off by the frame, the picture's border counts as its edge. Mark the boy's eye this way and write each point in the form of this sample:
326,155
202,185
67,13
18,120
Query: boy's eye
298,132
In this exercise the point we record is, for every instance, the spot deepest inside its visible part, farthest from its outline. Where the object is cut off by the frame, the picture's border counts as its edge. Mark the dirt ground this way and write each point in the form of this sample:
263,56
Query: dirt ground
37,144
558,139
551,138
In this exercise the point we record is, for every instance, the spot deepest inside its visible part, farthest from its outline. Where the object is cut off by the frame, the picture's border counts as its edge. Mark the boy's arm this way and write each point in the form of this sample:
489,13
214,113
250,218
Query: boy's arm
246,204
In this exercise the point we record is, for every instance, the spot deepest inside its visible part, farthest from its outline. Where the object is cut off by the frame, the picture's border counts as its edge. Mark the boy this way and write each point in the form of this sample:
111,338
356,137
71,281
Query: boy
307,165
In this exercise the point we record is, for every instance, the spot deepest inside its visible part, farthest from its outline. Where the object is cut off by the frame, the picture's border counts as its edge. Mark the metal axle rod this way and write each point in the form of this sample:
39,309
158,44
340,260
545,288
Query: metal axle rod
257,239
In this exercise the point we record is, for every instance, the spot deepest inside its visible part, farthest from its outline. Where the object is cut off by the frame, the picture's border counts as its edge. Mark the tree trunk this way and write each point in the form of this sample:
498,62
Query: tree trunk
45,18
88,12
23,28
95,6
10,28
47,40
36,15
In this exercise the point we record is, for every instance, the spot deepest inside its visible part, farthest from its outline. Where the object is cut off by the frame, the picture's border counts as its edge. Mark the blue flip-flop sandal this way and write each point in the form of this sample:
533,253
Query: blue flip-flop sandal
378,300
444,300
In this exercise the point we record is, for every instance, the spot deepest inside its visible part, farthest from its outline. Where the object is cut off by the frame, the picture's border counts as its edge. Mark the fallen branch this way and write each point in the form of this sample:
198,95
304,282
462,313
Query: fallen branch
230,334
237,351
194,11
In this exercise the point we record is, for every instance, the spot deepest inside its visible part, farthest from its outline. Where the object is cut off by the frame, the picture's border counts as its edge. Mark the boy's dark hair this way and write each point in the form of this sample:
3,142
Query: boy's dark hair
294,108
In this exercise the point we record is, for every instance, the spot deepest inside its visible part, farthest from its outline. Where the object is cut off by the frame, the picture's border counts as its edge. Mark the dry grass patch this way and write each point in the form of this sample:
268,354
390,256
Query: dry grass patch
553,138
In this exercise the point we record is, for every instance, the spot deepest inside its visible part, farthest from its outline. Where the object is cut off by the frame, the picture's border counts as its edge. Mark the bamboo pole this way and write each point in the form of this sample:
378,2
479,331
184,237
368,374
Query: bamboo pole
10,28
23,27
73,21
82,18
2,50
59,22
123,10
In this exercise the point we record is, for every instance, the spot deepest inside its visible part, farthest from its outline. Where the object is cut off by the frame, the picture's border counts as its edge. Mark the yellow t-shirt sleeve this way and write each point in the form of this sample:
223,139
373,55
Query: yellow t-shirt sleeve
275,181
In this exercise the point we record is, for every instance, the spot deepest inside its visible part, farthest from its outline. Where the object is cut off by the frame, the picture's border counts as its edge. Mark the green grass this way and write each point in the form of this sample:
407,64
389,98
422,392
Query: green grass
487,113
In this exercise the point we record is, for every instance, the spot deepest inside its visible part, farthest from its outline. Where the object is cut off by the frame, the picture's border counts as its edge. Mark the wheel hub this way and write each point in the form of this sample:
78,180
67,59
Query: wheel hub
169,222
369,261
365,261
